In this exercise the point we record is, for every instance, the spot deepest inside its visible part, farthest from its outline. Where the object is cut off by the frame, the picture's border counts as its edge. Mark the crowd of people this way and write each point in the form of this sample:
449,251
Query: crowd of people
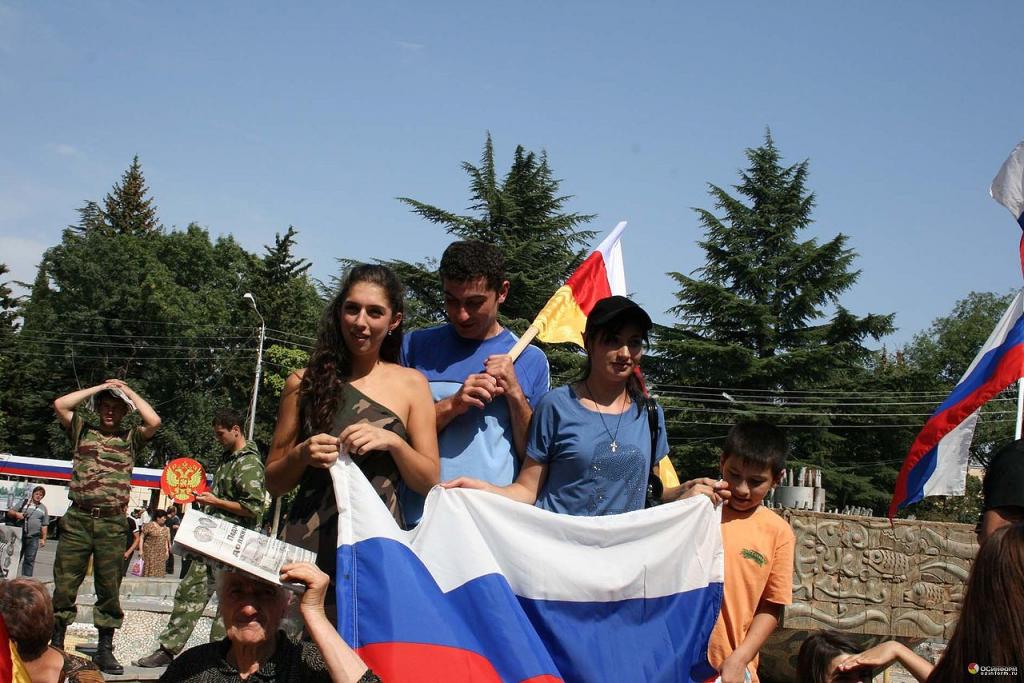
448,405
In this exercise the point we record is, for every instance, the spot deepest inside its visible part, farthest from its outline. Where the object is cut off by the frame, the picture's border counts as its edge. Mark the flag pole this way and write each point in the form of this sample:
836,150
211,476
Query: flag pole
532,332
1020,408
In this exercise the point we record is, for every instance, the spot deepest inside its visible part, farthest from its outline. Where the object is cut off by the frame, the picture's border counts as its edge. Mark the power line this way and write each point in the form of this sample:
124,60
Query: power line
797,392
825,426
127,335
289,342
783,411
171,323
694,398
140,347
292,334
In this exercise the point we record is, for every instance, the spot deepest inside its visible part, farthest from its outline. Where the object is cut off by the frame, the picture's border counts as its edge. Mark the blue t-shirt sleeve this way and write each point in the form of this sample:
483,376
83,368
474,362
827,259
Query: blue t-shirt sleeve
543,429
536,378
404,356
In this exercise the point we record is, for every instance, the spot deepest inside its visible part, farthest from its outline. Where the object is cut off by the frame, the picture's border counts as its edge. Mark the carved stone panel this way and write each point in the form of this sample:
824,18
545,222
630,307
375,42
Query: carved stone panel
867,577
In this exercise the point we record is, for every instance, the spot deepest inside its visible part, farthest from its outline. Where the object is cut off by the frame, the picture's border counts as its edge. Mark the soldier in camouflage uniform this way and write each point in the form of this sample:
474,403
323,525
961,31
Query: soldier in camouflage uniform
237,495
94,525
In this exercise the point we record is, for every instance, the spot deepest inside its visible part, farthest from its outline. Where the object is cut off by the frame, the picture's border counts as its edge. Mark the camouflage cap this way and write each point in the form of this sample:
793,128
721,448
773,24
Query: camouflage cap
113,392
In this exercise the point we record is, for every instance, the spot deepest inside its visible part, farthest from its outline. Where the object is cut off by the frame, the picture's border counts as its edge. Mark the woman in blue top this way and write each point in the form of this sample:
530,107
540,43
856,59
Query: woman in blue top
589,446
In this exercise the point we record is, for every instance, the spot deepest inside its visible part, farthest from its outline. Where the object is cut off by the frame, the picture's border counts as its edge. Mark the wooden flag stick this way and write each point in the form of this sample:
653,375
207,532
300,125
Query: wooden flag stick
523,342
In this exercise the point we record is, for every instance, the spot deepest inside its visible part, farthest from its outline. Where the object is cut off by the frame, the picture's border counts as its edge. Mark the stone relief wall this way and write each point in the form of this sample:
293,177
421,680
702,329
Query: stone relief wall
861,575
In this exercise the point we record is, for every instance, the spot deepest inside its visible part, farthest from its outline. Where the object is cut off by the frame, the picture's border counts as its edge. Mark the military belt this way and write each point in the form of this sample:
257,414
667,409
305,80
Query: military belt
98,511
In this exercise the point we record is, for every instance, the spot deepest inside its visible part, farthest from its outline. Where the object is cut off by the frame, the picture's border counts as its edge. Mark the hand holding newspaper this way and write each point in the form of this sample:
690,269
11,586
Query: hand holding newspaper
238,549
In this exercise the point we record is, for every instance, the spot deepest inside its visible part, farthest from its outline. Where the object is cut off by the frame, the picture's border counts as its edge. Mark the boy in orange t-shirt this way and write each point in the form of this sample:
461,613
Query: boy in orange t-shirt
758,547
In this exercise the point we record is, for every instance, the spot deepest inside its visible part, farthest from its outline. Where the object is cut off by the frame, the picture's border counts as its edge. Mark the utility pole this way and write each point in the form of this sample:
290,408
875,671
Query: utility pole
259,364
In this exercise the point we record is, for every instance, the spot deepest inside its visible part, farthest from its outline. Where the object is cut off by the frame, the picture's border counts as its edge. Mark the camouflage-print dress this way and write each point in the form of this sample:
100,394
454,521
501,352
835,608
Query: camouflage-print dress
313,517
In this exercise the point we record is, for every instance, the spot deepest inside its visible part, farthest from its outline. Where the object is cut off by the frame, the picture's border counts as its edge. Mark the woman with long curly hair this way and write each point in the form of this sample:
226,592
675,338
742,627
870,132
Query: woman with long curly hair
355,398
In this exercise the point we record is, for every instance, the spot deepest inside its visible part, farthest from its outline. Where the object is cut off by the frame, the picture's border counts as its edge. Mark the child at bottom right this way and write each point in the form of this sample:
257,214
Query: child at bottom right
758,547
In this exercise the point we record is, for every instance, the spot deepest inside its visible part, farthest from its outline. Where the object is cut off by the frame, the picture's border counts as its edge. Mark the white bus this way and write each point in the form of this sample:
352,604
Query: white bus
19,475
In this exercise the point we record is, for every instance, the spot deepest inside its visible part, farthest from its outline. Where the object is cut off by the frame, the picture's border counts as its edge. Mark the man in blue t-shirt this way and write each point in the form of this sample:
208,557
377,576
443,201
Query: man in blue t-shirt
481,399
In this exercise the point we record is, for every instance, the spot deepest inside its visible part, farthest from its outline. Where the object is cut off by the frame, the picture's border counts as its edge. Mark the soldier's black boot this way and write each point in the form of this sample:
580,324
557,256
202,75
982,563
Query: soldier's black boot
57,640
104,657
159,658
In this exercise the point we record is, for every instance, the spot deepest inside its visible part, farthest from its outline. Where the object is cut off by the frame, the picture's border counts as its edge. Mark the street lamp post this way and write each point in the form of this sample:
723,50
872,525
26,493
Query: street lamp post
259,364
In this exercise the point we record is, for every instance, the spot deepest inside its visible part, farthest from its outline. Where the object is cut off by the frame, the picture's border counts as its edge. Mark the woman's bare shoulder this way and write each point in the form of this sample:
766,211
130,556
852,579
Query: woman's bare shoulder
292,382
409,377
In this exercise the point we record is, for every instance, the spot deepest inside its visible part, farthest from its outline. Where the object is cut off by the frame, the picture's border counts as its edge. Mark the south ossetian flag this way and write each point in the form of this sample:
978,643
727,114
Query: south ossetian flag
489,589
601,275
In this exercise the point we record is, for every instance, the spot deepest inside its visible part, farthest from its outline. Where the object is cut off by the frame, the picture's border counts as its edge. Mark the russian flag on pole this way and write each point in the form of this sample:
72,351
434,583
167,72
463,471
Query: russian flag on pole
1008,189
601,275
489,589
937,462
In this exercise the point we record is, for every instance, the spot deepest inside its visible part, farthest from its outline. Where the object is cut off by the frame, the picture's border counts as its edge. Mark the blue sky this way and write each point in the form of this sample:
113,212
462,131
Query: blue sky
249,117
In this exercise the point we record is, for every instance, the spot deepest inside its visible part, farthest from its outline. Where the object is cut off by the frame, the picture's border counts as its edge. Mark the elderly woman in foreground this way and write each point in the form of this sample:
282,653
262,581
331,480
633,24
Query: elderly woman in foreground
257,650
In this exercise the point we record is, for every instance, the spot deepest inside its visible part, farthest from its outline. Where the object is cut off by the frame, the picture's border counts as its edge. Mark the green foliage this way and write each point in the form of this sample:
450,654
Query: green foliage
282,361
524,215
755,320
965,509
126,209
8,329
163,310
946,349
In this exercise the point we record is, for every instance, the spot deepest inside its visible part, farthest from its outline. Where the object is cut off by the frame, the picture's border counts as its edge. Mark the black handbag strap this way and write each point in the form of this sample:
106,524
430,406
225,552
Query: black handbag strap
654,483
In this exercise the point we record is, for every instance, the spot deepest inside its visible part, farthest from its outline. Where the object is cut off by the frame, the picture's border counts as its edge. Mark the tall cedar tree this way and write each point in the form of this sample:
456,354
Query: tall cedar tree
522,214
753,320
126,209
8,329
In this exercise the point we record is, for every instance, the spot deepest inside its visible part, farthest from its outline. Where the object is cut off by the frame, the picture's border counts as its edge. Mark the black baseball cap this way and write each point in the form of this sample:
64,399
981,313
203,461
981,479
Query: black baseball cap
613,307
1004,478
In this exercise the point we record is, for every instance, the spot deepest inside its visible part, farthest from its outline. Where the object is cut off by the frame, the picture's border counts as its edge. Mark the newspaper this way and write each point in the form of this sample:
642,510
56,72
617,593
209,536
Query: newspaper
238,549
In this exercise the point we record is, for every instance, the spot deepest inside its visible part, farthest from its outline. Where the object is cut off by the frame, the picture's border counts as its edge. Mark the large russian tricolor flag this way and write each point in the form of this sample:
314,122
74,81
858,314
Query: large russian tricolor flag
937,462
601,275
488,589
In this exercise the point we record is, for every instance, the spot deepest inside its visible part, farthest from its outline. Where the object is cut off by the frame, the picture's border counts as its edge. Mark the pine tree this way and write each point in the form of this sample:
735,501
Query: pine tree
8,329
8,308
279,264
126,208
753,322
525,216
90,219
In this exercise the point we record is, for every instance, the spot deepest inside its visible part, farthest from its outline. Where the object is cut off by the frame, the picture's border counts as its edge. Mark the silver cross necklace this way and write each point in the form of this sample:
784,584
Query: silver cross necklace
613,436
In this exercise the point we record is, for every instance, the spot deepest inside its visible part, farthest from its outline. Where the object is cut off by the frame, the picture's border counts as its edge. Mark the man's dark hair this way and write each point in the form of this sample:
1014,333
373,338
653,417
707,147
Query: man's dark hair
759,443
470,259
227,418
38,488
